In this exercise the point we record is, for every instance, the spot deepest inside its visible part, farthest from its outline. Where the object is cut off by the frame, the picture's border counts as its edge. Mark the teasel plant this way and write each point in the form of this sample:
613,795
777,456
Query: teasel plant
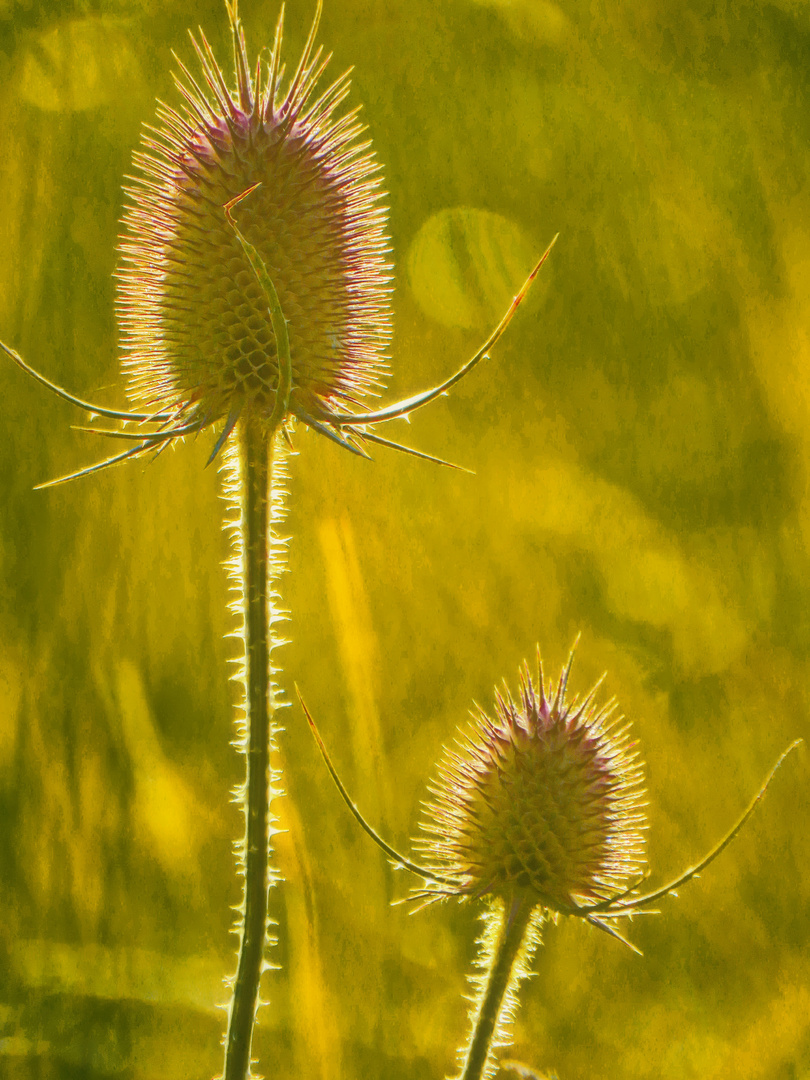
539,811
254,295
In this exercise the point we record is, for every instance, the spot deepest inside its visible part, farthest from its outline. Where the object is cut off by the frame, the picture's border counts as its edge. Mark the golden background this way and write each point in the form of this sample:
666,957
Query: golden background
641,443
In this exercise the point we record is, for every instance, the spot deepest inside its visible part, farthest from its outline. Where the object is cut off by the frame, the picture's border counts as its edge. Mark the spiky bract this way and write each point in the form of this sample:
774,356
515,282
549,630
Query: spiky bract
545,800
195,326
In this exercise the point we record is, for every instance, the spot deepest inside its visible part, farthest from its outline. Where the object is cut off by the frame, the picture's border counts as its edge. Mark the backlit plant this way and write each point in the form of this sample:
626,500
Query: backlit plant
254,295
539,811
254,292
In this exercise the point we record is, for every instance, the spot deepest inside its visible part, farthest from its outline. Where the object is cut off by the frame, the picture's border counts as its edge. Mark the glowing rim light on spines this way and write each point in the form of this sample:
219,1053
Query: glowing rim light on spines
626,903
199,145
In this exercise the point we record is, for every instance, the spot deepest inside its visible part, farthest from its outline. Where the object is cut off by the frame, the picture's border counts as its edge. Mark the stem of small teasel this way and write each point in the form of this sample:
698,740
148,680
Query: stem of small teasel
255,460
508,945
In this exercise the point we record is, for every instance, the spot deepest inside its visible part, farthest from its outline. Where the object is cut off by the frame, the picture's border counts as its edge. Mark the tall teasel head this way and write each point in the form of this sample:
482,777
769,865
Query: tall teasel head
545,801
197,336
282,313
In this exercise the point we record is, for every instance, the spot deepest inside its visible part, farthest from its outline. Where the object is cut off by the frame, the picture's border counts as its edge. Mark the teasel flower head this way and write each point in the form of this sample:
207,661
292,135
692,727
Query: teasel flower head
544,807
545,800
253,279
196,332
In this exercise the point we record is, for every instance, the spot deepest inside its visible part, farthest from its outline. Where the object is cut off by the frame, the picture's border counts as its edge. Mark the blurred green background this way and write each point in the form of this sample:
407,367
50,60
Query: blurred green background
641,442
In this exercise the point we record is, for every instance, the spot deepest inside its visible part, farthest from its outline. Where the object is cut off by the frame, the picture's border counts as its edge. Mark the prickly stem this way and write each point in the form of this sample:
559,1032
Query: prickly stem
254,484
508,943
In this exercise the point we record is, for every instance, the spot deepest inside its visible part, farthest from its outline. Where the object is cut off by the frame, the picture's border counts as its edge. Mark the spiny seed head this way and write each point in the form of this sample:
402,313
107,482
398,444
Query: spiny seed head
195,326
545,800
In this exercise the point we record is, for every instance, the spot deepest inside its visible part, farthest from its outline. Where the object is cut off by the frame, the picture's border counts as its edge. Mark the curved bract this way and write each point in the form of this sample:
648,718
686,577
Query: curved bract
349,430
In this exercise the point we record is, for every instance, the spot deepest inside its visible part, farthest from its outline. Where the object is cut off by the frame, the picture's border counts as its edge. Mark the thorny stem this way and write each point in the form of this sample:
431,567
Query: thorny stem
505,965
260,491
257,462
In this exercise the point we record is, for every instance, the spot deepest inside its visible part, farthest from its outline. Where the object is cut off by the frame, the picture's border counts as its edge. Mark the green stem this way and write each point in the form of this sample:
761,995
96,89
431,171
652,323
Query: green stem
256,461
505,964
255,482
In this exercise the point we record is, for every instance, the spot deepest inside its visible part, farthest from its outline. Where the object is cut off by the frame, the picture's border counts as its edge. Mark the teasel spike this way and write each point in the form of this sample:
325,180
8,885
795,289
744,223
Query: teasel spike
354,419
559,699
213,76
180,129
248,98
258,88
330,99
162,142
300,78
180,123
196,101
621,903
455,887
314,73
273,74
340,132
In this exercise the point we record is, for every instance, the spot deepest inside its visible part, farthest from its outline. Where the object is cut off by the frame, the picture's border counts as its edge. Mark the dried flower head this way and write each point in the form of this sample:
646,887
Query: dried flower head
544,800
196,331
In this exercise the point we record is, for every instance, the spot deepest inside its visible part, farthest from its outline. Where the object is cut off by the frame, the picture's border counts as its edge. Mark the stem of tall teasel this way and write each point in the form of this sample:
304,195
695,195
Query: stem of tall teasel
255,483
255,478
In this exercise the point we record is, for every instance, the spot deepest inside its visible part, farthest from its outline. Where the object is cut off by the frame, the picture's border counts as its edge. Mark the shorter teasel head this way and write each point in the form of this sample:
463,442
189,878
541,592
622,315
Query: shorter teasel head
543,805
545,800
196,332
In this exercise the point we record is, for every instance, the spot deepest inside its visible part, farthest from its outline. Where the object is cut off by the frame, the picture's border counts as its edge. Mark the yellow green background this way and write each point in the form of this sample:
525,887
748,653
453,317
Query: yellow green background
641,446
